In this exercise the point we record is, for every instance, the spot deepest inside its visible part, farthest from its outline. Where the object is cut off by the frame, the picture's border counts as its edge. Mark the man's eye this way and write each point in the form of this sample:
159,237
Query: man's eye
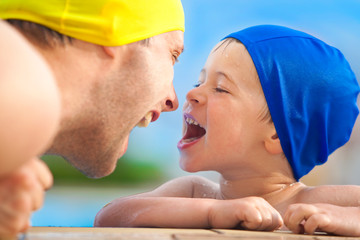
175,58
220,90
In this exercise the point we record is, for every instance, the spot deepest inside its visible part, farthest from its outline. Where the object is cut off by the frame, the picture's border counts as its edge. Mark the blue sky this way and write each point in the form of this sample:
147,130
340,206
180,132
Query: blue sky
337,22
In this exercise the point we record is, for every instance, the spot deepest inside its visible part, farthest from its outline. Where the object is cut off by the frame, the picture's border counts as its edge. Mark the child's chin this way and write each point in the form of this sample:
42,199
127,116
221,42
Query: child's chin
187,166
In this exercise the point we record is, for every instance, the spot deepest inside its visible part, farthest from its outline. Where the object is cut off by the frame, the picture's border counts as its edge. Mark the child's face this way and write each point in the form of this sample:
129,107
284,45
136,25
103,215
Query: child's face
229,105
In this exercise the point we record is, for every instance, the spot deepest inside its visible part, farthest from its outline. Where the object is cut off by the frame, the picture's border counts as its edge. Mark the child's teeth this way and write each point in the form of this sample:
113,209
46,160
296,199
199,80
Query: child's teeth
191,121
189,140
146,120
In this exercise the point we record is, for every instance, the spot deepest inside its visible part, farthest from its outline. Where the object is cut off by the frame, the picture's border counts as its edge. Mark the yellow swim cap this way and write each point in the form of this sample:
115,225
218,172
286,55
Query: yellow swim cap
103,22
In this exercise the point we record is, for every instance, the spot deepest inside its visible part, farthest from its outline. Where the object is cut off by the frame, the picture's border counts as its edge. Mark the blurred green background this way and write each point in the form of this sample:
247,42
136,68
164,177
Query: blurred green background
128,171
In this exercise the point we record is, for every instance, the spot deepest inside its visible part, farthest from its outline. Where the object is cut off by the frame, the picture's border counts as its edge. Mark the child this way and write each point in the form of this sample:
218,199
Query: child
30,114
307,218
271,104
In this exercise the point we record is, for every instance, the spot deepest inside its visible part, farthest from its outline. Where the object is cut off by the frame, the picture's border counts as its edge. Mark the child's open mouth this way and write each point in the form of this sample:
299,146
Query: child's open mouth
193,130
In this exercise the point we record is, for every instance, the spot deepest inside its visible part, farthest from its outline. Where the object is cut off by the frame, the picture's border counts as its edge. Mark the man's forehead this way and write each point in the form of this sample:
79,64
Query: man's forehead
177,39
174,39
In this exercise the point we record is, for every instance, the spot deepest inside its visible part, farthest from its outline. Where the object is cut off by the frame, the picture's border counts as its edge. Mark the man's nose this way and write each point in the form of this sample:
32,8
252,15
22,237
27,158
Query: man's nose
171,102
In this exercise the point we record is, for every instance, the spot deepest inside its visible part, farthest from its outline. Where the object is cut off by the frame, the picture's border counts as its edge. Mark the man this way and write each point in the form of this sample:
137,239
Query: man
30,114
108,78
113,63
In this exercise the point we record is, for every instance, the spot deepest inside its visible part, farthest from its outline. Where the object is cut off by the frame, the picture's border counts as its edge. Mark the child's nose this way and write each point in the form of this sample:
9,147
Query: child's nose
195,95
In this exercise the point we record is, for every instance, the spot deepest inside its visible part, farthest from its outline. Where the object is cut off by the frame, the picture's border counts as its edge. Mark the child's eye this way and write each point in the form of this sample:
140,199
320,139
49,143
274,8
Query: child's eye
220,90
197,85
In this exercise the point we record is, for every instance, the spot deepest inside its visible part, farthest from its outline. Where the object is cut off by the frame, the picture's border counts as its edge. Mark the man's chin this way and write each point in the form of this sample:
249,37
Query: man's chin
123,148
93,170
98,173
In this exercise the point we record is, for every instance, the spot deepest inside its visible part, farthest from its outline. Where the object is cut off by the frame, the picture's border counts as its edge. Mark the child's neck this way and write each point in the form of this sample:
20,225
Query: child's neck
277,190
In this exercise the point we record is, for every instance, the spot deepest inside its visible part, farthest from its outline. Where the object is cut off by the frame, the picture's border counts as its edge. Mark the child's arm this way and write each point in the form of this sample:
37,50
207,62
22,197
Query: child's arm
178,203
308,218
340,195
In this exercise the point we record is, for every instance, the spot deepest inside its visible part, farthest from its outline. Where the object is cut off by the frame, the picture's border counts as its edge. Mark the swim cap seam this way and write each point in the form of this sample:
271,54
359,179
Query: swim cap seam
63,16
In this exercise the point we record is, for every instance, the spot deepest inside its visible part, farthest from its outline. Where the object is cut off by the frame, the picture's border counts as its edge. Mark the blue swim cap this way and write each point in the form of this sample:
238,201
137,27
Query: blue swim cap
310,90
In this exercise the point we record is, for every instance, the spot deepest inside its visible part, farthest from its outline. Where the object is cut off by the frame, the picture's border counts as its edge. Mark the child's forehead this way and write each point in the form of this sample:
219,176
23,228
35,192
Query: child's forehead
231,59
229,43
232,56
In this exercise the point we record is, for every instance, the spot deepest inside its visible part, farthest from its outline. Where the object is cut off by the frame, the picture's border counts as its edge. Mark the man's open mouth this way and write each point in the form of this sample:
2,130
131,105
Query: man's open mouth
193,129
144,122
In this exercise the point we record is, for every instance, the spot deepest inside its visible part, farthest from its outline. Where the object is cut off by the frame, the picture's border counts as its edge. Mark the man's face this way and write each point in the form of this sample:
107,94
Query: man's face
138,81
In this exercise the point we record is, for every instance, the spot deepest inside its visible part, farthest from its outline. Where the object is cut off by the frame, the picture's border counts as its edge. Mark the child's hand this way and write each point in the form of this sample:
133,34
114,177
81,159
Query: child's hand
21,193
308,218
252,213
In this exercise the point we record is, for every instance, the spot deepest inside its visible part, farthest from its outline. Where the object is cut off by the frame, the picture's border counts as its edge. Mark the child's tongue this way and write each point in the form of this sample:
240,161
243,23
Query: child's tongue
193,132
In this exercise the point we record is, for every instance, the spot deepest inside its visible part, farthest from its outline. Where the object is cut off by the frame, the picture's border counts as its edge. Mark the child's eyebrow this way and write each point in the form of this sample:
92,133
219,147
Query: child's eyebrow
229,78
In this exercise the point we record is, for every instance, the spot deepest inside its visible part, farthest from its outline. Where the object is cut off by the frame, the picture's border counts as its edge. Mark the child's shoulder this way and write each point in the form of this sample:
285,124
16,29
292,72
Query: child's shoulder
333,194
192,179
201,187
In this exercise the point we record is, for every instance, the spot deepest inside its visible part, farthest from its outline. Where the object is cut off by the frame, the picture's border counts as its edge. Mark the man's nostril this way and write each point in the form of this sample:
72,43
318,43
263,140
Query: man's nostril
169,103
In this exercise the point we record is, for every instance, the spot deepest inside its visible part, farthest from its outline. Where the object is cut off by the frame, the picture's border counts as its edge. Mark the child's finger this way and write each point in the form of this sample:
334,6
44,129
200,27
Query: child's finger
296,214
252,220
316,221
262,216
266,220
271,218
275,218
277,221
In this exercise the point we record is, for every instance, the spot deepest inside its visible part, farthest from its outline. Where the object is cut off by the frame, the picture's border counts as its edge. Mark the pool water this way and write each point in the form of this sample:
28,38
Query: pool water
69,206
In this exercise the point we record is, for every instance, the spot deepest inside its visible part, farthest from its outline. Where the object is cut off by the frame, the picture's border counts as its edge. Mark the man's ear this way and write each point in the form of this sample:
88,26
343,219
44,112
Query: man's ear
272,142
110,51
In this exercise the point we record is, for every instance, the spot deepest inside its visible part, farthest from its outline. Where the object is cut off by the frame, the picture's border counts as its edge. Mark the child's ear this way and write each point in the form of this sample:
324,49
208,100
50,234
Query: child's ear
272,142
110,51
